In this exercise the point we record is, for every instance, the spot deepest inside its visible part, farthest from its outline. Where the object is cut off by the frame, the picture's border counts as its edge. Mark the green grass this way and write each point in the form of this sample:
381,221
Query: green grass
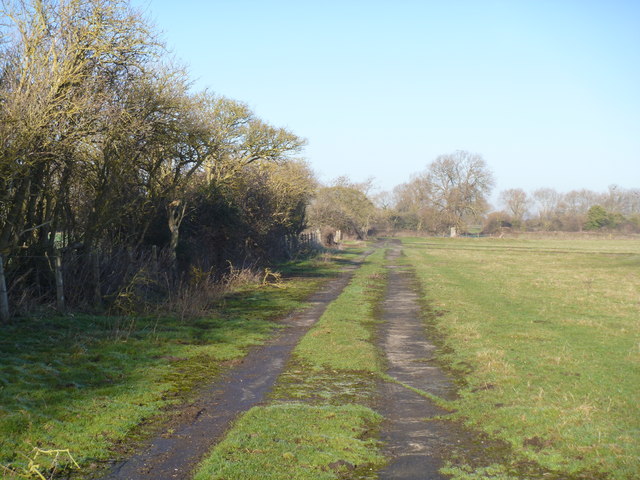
294,441
337,361
545,335
323,265
342,338
319,424
86,383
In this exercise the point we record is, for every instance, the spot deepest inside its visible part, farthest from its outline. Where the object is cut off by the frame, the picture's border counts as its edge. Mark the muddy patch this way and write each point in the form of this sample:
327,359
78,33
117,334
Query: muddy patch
175,453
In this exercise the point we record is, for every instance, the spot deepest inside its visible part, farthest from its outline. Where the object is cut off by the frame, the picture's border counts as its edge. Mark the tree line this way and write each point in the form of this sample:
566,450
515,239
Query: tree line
454,192
455,188
546,209
105,148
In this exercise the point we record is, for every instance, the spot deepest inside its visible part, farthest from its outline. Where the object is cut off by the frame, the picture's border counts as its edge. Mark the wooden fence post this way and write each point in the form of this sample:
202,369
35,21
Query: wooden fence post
97,287
4,299
154,260
57,261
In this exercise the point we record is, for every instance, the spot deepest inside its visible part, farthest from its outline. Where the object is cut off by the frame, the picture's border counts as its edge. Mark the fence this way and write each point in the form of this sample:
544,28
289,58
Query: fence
4,299
318,238
76,279
310,239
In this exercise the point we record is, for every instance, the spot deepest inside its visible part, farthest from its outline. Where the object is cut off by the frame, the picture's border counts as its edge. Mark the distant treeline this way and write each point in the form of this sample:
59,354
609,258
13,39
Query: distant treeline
545,209
453,192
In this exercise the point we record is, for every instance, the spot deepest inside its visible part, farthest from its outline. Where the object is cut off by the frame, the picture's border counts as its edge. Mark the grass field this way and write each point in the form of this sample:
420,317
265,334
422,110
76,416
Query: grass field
545,338
86,383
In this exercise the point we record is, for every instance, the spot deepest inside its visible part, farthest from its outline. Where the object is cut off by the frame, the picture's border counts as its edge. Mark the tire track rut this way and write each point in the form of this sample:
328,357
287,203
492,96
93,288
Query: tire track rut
416,447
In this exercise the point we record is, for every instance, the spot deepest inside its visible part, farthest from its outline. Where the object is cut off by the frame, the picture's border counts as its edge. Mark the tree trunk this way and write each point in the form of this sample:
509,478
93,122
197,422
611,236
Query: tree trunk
12,226
175,215
4,300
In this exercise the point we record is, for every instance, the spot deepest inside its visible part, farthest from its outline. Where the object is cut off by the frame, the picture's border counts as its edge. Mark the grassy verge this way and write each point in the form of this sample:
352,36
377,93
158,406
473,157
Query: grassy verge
319,424
293,441
342,338
86,384
545,335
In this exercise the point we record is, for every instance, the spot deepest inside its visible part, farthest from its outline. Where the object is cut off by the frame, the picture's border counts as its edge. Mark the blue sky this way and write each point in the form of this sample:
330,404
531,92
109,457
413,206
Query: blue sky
548,92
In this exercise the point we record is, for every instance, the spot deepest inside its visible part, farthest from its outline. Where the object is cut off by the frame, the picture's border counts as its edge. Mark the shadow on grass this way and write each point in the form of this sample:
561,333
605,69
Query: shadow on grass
86,382
90,384
325,265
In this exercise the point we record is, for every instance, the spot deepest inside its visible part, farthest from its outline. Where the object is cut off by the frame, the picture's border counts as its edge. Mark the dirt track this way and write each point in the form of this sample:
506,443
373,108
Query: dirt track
415,445
174,454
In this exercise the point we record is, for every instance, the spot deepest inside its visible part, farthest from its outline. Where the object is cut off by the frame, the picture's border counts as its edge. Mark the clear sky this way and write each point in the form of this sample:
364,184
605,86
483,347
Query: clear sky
548,92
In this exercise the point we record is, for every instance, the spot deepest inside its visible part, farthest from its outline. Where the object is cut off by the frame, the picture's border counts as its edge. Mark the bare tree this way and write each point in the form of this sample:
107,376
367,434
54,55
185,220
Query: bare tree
460,183
549,204
236,138
102,144
343,206
577,202
517,203
414,205
62,69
